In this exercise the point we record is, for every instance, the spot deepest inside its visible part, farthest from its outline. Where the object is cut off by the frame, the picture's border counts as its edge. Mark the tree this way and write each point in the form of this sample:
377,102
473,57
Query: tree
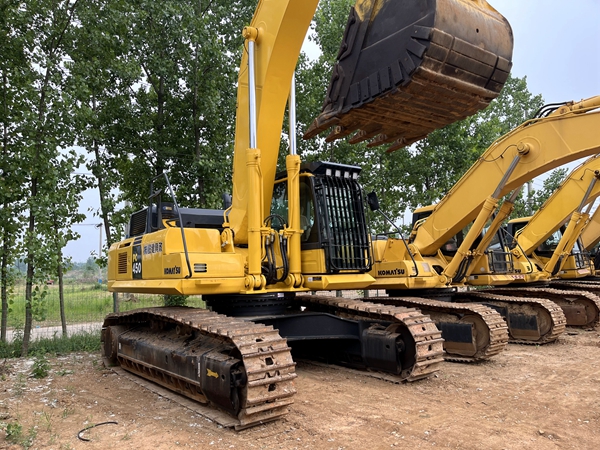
155,93
14,81
430,168
526,206
41,32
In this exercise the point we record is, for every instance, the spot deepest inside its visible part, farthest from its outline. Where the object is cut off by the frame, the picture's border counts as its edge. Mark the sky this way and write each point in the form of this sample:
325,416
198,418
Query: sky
556,46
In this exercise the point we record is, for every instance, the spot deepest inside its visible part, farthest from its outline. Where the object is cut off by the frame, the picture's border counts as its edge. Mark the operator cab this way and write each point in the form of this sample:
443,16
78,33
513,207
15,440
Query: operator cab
332,216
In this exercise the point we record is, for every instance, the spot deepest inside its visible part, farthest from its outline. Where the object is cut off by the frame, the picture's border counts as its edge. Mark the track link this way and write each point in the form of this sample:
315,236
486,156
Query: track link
580,307
427,339
551,321
490,330
266,358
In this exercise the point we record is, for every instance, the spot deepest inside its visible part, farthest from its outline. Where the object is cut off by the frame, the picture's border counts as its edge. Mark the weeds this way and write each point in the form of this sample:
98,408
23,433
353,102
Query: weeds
57,345
20,384
47,418
15,435
41,367
67,412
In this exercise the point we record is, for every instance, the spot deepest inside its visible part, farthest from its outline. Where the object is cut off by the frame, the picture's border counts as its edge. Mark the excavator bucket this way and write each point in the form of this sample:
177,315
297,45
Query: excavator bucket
408,67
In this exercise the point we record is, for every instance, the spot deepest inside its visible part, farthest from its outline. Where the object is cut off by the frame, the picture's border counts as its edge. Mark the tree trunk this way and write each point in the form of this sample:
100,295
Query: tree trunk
29,281
61,294
5,246
102,191
160,125
201,201
4,293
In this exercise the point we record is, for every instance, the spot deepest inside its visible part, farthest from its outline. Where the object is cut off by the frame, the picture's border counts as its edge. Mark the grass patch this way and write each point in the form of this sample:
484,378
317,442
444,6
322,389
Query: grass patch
84,302
57,345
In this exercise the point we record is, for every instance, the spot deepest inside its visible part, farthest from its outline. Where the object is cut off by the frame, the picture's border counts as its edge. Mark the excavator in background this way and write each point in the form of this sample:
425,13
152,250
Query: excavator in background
404,69
547,248
551,237
439,247
590,237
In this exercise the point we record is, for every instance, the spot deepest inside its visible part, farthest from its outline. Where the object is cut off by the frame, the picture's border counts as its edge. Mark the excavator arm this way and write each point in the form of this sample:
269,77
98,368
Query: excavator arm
590,236
537,146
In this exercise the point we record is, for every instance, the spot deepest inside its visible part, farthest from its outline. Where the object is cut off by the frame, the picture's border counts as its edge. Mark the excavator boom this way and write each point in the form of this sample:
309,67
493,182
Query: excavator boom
590,236
542,144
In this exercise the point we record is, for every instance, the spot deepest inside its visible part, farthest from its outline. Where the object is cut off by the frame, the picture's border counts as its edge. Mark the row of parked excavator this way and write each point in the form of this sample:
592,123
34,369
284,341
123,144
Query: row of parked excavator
538,272
530,271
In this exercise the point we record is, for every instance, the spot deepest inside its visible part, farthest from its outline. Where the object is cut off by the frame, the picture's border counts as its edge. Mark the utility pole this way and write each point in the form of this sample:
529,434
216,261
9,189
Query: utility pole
530,197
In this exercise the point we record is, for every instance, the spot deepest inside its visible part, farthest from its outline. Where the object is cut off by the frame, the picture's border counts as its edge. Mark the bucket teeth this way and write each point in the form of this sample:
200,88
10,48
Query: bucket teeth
408,68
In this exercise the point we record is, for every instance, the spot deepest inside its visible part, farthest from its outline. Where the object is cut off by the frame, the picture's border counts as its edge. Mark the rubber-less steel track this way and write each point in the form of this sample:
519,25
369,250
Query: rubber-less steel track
265,355
550,317
490,330
427,339
568,299
577,285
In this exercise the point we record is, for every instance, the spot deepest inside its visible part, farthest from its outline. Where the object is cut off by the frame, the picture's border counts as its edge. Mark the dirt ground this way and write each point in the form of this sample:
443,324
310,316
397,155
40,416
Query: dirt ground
545,397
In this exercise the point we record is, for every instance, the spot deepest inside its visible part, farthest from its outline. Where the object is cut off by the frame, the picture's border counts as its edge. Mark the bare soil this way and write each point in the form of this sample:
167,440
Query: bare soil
534,397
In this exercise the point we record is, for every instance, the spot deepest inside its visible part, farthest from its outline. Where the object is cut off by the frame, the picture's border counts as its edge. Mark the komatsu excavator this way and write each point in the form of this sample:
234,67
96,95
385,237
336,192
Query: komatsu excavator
546,248
590,237
551,237
404,68
437,245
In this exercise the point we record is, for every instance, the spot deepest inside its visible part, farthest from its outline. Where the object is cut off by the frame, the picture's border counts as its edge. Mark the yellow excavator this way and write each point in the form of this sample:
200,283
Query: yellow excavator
590,237
551,237
404,69
440,254
547,250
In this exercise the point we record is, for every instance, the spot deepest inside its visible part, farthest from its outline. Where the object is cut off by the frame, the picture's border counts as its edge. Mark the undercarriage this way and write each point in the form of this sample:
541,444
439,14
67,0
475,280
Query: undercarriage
244,365
580,307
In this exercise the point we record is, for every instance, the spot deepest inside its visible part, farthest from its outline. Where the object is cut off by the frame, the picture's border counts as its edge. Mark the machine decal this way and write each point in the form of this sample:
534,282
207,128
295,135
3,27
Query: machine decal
390,273
136,261
172,270
153,247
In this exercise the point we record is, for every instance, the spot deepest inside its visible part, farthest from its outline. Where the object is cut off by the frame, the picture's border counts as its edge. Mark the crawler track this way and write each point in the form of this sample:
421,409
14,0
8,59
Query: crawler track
489,329
418,329
266,389
580,307
550,320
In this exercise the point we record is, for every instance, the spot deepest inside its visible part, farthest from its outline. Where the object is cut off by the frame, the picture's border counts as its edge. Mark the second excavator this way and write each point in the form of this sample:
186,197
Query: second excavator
440,255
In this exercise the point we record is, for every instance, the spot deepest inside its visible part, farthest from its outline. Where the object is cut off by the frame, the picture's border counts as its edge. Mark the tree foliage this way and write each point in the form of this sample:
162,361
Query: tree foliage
529,202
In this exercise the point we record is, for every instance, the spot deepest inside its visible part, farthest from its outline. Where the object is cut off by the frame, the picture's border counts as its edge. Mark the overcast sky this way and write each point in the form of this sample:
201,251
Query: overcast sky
556,46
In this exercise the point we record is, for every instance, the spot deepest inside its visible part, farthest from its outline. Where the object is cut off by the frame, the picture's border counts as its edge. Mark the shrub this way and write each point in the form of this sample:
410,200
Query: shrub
175,300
